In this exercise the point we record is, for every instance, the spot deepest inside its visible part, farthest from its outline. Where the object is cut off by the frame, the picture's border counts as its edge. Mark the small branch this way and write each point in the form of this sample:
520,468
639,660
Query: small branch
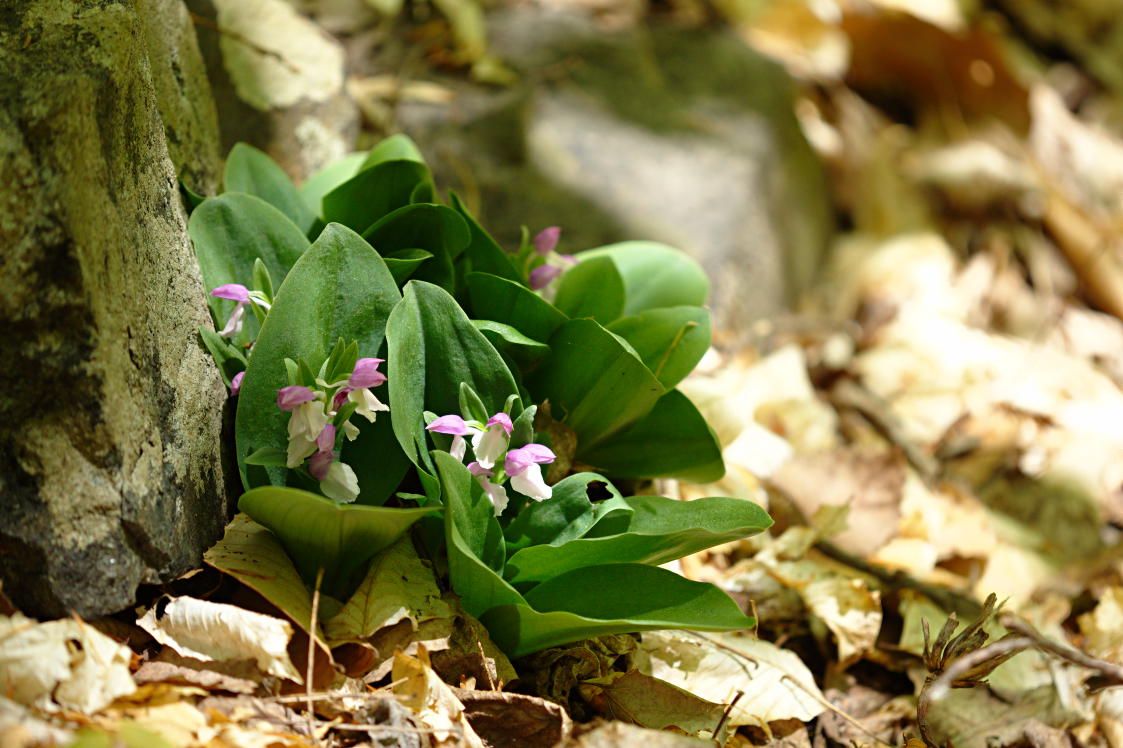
312,652
1111,671
725,715
207,23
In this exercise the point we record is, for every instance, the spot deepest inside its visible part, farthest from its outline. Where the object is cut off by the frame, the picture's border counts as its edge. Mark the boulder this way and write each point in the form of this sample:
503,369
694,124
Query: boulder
111,411
277,81
681,136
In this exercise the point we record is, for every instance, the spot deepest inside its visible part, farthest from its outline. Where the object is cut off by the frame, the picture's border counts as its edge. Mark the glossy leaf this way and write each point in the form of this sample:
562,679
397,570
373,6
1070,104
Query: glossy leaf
593,288
373,193
394,148
524,351
253,172
670,341
483,253
340,288
230,232
316,531
433,348
472,534
656,531
438,230
505,301
404,263
655,275
328,178
595,385
672,441
566,515
610,599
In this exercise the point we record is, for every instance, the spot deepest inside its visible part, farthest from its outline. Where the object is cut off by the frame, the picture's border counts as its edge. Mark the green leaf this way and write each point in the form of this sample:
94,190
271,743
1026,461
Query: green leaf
671,341
649,702
595,385
594,288
657,530
655,275
502,300
340,288
328,178
398,586
255,557
268,456
377,459
373,193
316,531
432,228
433,348
483,253
253,172
403,264
672,441
610,599
472,535
230,232
566,515
523,350
394,148
228,357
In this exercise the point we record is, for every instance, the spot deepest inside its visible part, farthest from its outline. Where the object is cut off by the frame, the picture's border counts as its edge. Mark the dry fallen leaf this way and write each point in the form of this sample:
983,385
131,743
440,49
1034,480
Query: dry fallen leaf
775,682
64,663
432,701
503,719
218,631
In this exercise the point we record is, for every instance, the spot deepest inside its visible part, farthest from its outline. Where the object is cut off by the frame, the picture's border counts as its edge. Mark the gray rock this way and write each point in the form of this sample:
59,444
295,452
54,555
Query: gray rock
110,409
685,137
277,81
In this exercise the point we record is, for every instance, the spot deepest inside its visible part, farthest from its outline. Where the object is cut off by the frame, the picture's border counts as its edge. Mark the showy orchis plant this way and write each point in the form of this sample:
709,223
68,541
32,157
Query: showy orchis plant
541,364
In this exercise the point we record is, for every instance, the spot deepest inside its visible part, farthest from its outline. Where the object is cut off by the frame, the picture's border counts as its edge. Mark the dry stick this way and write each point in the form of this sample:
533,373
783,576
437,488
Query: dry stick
726,713
312,653
1110,670
207,23
1088,252
487,670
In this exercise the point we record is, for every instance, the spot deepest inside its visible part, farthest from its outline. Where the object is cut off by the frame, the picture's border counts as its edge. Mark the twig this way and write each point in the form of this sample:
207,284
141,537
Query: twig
207,23
1110,670
312,653
487,670
725,715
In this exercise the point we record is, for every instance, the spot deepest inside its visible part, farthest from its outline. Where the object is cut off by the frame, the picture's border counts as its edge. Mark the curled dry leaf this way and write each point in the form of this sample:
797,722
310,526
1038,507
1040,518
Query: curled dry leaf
775,682
516,720
432,701
649,702
217,631
64,663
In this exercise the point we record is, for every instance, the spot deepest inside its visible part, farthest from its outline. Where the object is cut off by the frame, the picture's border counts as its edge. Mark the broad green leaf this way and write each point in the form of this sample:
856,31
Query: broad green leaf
483,253
594,384
658,530
398,586
523,350
594,289
610,599
672,441
394,148
403,264
373,193
471,531
227,356
671,341
433,348
317,532
255,557
655,275
432,228
377,459
253,172
566,515
328,178
502,300
340,288
230,232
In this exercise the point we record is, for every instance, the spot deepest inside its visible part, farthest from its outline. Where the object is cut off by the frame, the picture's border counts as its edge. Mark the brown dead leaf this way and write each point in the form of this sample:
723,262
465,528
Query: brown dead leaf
616,734
869,482
197,673
649,702
514,720
432,701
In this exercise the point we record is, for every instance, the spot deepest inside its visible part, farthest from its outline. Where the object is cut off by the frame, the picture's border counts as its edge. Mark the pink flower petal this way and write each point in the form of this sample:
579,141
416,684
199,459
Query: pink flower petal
501,419
546,240
542,276
320,464
325,442
518,460
451,424
366,373
232,291
293,395
236,382
477,469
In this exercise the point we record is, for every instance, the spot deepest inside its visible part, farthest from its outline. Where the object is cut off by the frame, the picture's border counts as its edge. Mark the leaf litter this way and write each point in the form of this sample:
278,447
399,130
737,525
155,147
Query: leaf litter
942,421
